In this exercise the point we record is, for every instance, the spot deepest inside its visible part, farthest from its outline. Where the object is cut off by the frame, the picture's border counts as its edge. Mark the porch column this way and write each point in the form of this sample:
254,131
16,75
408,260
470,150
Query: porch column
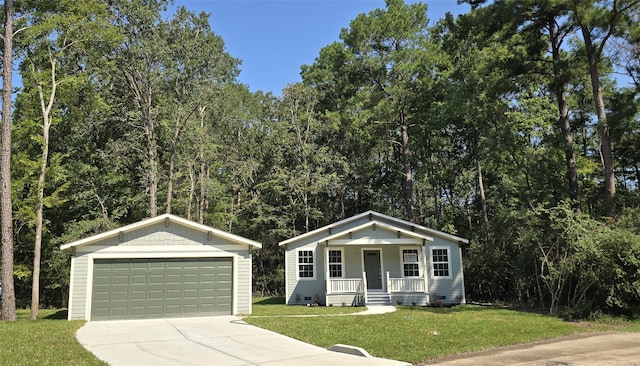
425,271
327,279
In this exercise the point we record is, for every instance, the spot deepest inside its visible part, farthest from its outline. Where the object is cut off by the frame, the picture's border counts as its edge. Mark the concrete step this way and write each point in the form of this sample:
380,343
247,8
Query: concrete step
378,298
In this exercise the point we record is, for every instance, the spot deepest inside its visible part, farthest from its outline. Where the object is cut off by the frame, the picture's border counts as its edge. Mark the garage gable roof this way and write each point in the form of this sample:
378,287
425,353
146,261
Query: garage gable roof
167,218
329,229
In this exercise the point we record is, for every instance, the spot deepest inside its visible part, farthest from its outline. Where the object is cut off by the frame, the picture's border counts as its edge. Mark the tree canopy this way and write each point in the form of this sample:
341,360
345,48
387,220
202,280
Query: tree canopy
506,125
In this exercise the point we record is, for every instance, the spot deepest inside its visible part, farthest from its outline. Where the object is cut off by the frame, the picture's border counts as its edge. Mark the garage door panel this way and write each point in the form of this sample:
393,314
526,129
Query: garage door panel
155,288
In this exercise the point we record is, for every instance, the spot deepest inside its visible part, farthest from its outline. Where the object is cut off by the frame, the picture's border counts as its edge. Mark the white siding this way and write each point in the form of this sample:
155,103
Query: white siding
78,290
451,288
243,285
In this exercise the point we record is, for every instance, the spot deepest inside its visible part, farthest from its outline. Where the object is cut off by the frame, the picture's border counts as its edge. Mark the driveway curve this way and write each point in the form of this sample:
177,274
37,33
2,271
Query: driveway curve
219,340
585,349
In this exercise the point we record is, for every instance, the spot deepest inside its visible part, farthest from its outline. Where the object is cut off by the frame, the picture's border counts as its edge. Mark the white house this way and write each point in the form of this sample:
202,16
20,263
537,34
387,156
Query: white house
160,267
373,258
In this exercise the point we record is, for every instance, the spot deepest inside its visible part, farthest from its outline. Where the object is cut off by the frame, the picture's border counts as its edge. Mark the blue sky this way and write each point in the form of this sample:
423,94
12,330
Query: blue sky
273,38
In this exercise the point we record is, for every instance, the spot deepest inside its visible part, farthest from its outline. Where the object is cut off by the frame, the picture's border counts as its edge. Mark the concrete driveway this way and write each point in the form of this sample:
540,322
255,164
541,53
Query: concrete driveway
220,341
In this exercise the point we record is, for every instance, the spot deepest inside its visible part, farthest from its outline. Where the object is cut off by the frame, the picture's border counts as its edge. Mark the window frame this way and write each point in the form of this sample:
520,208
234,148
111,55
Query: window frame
418,261
433,262
341,263
313,264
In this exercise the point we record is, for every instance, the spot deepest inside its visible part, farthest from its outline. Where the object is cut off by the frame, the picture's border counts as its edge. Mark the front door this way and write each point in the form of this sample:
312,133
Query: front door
372,269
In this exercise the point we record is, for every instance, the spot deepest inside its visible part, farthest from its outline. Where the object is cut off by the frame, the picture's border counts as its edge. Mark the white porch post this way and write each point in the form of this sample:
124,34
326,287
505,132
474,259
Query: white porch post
388,282
327,279
425,271
364,284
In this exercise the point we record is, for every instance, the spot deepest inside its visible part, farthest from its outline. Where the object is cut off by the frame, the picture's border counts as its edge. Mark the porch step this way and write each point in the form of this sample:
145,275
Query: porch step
378,298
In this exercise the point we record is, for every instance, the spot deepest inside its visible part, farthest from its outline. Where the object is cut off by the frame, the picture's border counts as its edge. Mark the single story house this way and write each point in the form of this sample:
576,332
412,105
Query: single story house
160,267
373,258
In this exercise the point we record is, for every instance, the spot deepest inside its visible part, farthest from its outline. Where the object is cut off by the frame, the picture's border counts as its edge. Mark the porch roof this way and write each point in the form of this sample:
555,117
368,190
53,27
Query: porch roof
339,238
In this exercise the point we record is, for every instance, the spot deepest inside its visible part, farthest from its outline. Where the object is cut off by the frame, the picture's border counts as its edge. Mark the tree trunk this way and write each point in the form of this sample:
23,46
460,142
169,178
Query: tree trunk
201,178
483,205
407,168
563,120
8,290
45,107
152,174
593,58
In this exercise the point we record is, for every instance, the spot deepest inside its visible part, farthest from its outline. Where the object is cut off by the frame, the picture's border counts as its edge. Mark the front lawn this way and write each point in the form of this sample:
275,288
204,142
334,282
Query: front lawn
416,334
275,306
50,340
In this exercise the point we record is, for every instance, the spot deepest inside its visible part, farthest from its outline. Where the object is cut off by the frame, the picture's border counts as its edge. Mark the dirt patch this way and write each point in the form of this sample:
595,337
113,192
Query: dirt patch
602,348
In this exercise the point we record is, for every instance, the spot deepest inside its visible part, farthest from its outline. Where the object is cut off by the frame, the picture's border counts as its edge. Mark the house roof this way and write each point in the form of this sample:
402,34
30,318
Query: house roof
167,218
376,223
373,216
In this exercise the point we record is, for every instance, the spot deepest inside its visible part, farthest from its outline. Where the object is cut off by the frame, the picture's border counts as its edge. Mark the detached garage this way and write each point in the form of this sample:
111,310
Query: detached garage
163,267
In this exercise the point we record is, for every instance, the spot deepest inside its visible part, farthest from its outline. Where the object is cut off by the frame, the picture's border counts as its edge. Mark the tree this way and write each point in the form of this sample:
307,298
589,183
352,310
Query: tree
139,62
66,32
599,21
196,66
8,293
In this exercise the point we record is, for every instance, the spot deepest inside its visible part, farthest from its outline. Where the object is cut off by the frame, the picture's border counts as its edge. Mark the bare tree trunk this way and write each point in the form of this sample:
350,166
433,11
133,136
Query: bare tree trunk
593,58
563,120
45,107
8,290
483,203
152,174
192,189
407,168
201,180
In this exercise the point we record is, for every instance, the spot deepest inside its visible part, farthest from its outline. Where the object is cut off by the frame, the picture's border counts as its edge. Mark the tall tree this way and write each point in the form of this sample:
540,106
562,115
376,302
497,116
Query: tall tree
6,213
62,33
599,21
192,78
141,70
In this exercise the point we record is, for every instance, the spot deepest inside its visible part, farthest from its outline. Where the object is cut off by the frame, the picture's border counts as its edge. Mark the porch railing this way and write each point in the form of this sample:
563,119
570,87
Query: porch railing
344,285
405,284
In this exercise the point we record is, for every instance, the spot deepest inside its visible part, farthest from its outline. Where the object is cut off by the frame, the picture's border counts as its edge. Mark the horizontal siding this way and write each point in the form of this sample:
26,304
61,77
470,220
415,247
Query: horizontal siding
451,288
410,299
304,288
243,284
340,299
78,293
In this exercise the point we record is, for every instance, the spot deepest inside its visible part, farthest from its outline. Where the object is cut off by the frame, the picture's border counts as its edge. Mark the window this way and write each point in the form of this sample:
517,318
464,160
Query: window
335,263
440,260
305,264
410,264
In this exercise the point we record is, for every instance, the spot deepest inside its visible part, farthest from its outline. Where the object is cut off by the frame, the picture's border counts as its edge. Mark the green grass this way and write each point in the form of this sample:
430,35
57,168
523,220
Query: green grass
275,306
50,340
416,334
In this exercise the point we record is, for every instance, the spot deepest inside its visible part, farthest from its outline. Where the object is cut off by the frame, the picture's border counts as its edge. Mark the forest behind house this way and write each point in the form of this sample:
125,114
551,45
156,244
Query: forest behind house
515,125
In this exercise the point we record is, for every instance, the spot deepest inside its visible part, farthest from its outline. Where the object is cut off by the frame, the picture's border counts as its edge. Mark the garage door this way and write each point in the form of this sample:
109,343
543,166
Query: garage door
161,288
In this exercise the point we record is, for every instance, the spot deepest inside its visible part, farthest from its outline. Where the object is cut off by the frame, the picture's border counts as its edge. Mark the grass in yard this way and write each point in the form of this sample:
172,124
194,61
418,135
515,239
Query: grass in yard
50,340
275,306
416,334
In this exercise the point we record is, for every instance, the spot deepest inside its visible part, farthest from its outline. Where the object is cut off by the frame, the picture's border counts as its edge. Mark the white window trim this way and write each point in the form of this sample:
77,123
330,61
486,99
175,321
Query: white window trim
402,262
315,264
341,250
433,270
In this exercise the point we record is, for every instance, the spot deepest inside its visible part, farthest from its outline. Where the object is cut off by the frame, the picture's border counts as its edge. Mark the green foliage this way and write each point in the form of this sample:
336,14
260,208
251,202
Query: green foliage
453,125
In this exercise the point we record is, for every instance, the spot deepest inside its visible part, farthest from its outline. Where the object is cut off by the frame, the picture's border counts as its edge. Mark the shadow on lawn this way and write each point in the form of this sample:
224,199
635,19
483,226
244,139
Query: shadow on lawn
58,315
270,301
454,308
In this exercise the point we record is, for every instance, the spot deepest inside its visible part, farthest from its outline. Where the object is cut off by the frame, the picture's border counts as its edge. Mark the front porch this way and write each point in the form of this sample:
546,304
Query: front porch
395,291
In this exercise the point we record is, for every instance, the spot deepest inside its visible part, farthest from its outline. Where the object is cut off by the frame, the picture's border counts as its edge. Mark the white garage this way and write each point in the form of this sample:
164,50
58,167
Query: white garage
163,267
